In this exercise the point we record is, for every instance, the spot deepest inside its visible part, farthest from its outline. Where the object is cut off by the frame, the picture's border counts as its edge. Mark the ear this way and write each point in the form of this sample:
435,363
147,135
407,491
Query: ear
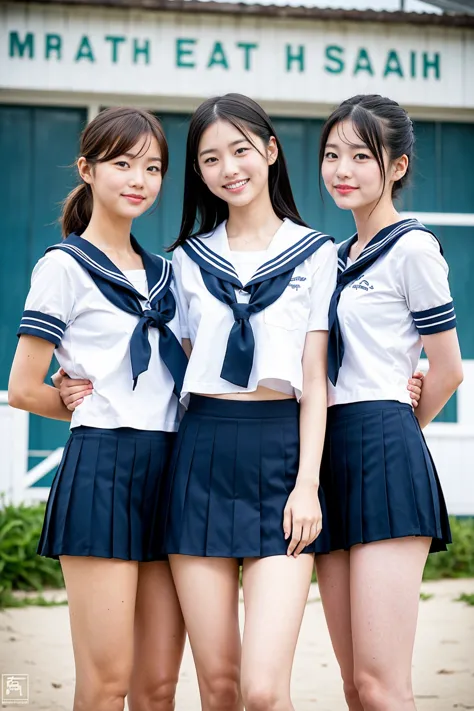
400,167
85,170
272,150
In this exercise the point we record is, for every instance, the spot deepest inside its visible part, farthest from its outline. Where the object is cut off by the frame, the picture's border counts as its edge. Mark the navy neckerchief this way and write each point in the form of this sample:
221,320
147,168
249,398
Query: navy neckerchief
115,286
378,246
266,286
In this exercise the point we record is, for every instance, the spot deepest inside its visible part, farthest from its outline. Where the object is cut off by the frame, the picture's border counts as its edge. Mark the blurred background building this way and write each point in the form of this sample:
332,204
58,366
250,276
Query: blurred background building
62,62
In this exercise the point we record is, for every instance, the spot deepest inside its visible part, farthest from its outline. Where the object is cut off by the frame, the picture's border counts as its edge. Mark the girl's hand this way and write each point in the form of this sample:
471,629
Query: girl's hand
414,387
72,392
302,517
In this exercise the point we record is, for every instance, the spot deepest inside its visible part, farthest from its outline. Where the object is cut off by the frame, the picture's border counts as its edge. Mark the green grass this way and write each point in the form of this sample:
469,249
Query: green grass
467,598
426,596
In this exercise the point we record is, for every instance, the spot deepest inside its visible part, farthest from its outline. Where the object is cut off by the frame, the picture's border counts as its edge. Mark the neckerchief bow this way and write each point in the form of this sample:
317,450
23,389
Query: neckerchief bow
115,286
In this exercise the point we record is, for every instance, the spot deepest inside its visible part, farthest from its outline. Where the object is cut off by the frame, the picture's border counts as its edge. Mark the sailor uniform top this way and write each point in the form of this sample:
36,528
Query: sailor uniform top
247,315
118,329
394,293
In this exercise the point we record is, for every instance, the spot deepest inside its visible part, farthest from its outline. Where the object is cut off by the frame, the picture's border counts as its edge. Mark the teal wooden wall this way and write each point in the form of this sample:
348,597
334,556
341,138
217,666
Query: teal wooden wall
38,145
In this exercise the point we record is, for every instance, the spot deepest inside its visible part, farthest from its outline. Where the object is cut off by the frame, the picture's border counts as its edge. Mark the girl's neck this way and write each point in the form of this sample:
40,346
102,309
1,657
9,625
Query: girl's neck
370,220
109,233
252,225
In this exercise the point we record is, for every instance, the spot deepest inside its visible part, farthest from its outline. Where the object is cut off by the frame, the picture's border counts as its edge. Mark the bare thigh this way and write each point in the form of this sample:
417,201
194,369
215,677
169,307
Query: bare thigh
101,595
208,591
333,571
275,594
385,588
159,640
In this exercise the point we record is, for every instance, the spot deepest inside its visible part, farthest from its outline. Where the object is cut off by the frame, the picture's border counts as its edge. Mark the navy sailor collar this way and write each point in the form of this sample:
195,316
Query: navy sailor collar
377,244
290,246
157,269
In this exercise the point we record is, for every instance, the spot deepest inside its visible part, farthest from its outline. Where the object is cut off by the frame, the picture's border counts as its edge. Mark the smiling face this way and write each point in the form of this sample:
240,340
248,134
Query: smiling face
127,185
233,167
351,173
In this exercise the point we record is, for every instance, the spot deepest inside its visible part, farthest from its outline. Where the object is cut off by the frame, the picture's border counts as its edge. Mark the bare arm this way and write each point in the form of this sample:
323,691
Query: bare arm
27,389
444,376
302,516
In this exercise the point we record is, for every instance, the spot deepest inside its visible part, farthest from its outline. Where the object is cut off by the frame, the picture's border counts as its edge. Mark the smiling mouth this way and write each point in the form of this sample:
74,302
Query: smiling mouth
136,198
237,185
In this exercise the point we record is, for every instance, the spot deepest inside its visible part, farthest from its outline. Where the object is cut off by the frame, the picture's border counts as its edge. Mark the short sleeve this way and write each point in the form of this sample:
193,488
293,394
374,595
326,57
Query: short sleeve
323,283
423,273
49,302
178,291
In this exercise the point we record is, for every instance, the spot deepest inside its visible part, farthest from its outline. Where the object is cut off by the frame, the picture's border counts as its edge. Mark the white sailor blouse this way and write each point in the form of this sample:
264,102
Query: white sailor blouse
247,332
394,293
126,341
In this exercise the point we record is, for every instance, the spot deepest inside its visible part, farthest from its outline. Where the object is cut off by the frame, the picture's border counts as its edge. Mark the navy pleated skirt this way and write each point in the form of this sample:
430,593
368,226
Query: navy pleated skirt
234,465
106,498
379,479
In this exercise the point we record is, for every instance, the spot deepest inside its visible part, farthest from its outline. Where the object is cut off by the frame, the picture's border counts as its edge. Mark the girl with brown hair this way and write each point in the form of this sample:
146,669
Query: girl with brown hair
105,306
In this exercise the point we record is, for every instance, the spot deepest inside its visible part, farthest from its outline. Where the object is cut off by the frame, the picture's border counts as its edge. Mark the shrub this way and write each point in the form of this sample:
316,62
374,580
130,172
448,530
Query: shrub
20,567
458,560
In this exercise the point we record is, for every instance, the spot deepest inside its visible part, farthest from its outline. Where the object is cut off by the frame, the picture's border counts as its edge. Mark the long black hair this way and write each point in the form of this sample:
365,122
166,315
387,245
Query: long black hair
200,205
381,124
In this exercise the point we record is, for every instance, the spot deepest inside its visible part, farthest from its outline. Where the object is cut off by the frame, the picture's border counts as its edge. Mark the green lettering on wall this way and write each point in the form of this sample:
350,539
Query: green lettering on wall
143,51
218,57
392,65
413,64
52,43
85,50
18,48
183,49
116,41
293,57
334,54
434,63
363,63
247,47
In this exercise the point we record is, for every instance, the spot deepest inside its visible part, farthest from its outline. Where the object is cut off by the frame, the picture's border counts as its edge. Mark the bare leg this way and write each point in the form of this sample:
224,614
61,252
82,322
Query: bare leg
275,594
159,640
208,591
101,594
334,585
385,588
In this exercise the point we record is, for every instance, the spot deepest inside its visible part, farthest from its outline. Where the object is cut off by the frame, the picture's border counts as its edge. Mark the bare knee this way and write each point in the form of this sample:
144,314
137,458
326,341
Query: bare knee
222,693
152,695
378,694
262,697
104,691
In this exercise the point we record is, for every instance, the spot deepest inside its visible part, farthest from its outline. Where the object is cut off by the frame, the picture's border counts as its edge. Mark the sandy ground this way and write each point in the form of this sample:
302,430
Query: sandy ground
36,641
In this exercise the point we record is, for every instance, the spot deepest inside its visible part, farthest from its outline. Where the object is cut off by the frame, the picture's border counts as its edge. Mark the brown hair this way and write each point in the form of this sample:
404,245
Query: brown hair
110,134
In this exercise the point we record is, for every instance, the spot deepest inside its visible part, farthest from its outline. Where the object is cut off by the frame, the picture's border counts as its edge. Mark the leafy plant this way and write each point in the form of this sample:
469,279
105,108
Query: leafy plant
458,560
20,567
467,598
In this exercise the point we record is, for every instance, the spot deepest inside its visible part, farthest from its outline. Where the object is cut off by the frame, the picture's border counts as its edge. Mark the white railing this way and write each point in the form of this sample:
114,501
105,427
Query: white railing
16,481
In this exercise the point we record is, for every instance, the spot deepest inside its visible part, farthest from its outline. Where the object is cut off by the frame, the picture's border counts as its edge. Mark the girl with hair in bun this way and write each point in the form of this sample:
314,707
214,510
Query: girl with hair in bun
106,308
384,503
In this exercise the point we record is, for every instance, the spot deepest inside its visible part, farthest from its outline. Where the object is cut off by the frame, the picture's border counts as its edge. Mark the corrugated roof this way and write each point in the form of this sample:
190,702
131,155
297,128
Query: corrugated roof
285,11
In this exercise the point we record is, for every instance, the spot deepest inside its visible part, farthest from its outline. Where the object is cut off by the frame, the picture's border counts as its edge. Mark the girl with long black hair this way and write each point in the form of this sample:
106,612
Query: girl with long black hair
254,282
